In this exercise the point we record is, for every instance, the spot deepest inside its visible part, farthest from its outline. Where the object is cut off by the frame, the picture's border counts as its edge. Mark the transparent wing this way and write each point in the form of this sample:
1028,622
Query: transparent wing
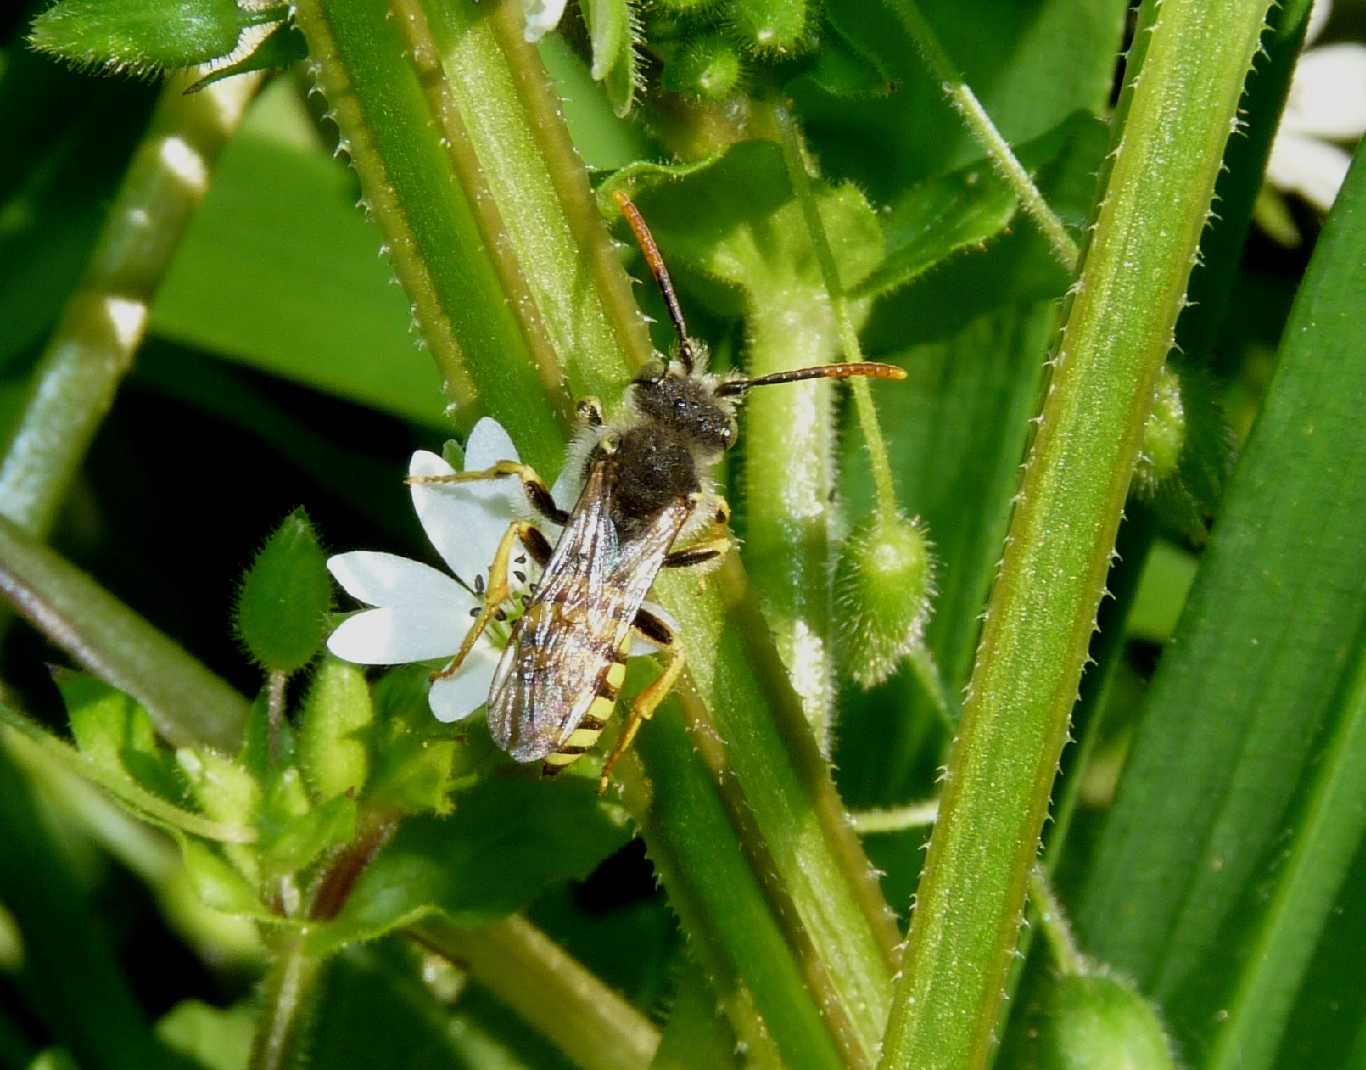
576,622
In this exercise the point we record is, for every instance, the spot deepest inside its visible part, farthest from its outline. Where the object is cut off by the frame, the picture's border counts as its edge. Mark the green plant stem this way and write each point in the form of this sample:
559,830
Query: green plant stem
1066,955
1041,612
105,319
782,817
187,702
288,996
794,155
895,818
964,101
552,991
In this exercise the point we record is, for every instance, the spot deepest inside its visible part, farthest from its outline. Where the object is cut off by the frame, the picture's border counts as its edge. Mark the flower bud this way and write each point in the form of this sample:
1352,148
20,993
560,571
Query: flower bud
707,67
1185,452
884,586
769,25
285,597
1096,1020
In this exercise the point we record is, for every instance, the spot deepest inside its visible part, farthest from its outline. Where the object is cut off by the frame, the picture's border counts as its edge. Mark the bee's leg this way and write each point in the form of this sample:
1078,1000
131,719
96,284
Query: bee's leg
701,552
497,590
534,485
659,633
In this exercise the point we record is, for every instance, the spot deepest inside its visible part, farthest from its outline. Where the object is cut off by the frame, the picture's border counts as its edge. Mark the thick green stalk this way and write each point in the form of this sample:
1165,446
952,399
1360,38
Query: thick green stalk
105,319
552,991
187,702
782,816
1041,612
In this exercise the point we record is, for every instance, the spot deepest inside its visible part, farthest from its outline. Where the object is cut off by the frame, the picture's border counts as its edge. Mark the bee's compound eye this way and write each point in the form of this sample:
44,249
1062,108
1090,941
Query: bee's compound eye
652,372
732,433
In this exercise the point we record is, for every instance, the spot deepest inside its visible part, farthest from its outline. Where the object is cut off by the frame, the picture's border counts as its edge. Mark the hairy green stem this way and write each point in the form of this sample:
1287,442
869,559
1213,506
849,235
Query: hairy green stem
1066,955
769,803
895,818
794,156
964,101
566,1003
105,319
187,702
1042,610
288,996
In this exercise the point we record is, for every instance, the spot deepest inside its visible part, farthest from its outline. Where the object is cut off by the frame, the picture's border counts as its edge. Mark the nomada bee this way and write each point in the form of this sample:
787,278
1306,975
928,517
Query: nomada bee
645,505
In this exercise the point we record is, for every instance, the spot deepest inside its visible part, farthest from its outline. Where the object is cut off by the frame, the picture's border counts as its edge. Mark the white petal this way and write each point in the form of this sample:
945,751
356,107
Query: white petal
542,16
380,579
1314,169
399,636
1328,93
640,646
487,445
453,698
464,521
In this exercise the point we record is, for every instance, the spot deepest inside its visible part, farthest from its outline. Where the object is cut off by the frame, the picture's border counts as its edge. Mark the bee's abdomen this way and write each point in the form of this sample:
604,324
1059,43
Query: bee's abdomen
585,735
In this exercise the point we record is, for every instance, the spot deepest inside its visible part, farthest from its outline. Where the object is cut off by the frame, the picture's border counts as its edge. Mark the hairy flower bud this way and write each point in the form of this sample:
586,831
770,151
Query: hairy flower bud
707,67
1096,1020
884,585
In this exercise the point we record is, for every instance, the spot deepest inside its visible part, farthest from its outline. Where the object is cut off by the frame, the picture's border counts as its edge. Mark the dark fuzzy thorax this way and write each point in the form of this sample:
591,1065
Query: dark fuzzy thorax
654,466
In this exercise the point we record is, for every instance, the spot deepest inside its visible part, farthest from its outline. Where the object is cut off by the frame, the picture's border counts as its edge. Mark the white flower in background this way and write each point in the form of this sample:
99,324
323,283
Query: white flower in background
1326,105
542,16
420,613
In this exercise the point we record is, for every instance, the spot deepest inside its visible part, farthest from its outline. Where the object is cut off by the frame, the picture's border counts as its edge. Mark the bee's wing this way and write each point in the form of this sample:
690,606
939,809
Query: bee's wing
569,636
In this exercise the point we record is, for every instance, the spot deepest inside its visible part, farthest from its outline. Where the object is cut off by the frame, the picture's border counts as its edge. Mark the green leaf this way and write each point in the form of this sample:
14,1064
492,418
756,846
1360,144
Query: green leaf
1233,851
281,48
116,733
140,37
216,882
223,788
214,1038
292,846
612,33
964,209
285,597
334,730
507,840
138,800
416,761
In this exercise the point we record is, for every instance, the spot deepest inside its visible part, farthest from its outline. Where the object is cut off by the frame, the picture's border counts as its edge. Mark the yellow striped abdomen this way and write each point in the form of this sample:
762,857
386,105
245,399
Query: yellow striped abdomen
585,735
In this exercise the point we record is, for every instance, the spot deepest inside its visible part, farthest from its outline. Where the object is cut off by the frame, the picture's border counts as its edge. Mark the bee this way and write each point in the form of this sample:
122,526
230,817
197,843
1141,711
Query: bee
645,505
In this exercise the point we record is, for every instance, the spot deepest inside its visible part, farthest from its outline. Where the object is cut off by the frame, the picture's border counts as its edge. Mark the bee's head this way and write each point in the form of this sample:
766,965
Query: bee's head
688,404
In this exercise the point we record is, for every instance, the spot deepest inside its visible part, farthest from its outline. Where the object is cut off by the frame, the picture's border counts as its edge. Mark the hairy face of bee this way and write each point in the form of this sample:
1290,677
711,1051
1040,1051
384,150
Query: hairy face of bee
689,406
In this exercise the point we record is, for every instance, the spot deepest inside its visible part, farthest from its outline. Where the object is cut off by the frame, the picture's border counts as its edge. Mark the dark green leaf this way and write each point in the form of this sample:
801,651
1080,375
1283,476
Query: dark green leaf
334,729
1234,850
140,37
416,760
507,840
285,596
116,733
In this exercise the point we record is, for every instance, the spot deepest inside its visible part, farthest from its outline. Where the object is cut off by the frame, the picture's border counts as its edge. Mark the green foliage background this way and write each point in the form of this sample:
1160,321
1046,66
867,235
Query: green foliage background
1209,824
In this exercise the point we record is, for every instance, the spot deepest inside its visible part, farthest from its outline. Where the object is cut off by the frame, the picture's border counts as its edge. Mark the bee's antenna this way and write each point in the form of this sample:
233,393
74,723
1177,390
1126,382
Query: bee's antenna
659,271
870,369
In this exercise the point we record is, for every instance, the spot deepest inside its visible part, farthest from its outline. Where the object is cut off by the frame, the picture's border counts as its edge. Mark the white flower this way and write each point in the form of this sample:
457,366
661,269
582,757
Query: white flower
542,16
1326,105
420,613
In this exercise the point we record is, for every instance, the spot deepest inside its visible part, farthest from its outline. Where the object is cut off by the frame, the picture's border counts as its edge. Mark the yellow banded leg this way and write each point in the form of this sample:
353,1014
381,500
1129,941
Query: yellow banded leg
701,552
495,593
534,485
646,702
